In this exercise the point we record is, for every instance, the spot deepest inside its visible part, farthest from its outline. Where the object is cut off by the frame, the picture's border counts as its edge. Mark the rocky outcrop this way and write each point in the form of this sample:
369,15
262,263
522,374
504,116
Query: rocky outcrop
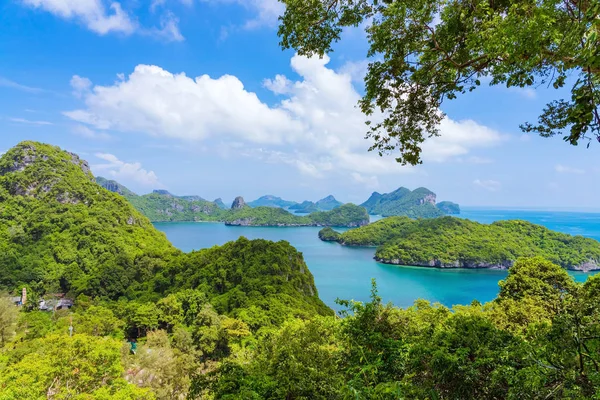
238,203
443,265
430,198
588,266
504,265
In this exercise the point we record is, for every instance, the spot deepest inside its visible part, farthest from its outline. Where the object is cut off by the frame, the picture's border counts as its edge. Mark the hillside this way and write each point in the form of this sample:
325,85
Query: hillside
59,231
114,187
348,215
458,243
419,203
271,201
162,206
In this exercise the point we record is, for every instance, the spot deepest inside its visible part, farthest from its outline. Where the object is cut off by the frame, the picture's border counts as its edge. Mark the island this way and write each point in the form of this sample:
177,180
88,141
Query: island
271,201
347,215
325,204
450,242
163,206
419,203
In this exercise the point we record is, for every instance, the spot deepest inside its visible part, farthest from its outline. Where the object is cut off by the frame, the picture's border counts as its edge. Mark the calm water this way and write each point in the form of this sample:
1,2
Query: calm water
345,272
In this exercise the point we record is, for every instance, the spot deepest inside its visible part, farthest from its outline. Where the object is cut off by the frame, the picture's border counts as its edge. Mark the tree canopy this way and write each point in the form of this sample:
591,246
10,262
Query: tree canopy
424,52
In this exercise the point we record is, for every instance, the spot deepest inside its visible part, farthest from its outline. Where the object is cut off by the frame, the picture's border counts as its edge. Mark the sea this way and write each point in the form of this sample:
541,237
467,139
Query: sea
346,273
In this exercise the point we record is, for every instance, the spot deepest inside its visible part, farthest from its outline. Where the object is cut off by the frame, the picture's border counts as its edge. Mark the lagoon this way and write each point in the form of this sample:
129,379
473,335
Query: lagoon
346,272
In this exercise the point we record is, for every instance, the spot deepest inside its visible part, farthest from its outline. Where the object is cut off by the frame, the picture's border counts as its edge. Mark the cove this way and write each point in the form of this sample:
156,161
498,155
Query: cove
346,272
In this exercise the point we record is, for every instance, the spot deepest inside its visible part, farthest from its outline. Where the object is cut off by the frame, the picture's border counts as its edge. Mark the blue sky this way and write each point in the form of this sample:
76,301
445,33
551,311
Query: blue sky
197,97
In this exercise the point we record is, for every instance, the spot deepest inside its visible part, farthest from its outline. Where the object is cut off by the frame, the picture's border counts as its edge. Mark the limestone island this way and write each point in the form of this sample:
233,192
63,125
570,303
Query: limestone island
450,242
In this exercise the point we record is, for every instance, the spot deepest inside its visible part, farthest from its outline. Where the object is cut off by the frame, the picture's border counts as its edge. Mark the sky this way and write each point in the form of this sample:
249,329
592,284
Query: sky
197,97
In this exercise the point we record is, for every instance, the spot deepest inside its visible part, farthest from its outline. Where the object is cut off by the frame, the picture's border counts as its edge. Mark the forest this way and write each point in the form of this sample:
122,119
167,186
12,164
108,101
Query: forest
460,243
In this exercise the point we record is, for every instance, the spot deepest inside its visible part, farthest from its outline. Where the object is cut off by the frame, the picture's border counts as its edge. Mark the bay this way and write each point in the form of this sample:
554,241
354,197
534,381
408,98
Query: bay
346,272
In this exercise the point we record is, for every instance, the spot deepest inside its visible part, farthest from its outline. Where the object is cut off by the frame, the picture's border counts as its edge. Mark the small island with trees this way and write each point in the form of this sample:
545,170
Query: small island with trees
450,242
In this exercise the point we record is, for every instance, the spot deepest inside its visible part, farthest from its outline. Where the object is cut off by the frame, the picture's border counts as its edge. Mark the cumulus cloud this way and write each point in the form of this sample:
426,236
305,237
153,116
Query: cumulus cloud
92,13
564,169
315,127
103,17
126,172
490,185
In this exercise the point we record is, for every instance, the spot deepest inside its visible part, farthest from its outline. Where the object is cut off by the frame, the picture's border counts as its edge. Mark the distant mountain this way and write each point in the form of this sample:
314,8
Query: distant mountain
271,201
449,207
419,203
163,206
326,204
304,207
192,198
114,186
219,202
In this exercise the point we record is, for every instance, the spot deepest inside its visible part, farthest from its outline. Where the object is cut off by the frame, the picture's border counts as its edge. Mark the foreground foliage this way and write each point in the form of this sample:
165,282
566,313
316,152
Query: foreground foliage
455,242
537,340
425,52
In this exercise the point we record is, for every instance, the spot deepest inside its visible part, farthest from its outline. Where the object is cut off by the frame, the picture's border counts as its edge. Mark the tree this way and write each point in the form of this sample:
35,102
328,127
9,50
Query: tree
62,367
8,319
426,51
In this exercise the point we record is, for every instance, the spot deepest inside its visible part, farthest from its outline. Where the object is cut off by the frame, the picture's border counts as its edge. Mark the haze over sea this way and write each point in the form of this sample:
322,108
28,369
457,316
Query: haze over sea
346,272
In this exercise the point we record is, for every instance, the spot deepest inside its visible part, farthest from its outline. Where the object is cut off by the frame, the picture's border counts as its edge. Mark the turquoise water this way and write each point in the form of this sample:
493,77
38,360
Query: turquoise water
346,273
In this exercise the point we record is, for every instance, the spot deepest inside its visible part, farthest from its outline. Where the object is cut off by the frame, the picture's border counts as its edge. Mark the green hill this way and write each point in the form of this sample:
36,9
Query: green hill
325,204
348,215
419,203
448,207
458,243
161,207
59,231
271,201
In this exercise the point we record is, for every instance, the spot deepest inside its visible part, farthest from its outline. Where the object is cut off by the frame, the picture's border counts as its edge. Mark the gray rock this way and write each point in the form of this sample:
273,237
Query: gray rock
238,203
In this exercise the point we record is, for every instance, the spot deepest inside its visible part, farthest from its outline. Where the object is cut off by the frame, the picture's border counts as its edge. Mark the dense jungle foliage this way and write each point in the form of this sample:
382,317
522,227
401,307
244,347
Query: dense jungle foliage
537,340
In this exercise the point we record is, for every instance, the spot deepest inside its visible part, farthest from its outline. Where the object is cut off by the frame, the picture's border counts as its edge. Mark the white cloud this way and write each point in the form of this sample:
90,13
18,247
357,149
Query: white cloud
103,17
563,169
491,185
30,122
316,127
168,30
356,69
126,172
477,160
266,12
14,85
526,92
80,85
368,181
85,132
92,13
458,138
